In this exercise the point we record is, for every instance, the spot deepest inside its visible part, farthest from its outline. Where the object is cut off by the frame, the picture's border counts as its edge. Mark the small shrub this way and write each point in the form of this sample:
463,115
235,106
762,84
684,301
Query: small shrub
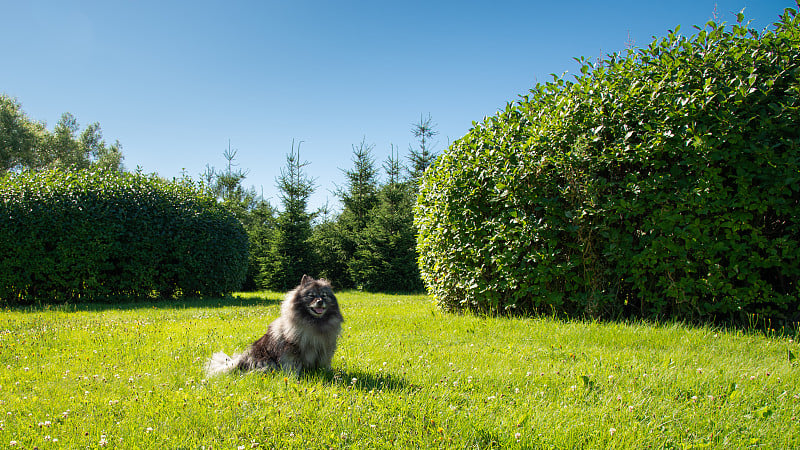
662,183
99,234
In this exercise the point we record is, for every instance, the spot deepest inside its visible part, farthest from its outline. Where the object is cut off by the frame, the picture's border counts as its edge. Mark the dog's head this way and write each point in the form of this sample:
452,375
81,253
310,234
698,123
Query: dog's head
314,300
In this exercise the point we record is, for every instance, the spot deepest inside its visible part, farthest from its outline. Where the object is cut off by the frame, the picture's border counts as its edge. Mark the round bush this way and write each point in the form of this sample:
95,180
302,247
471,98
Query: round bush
665,182
99,234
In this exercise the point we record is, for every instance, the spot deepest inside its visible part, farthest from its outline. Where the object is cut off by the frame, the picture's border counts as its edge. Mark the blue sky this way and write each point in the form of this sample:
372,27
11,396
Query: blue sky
175,81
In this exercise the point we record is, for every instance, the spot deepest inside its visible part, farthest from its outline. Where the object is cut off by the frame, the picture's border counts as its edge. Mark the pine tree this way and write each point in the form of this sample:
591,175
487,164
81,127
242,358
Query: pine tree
227,186
358,197
327,242
360,193
260,226
393,168
256,214
423,156
290,254
386,258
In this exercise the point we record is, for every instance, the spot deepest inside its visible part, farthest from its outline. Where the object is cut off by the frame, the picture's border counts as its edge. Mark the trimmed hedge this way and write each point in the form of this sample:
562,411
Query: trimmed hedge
665,182
100,234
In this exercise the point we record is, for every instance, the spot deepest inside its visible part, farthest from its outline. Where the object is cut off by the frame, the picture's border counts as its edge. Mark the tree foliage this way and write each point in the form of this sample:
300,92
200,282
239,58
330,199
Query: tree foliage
290,254
27,144
370,244
328,243
385,259
663,182
256,215
422,157
359,197
20,137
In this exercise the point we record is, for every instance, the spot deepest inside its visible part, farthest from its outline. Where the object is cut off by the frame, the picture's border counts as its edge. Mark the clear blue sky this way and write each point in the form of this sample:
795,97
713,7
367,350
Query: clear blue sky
174,81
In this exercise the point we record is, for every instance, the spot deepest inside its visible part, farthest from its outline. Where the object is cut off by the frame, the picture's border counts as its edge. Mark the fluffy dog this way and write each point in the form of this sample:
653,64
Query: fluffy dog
302,338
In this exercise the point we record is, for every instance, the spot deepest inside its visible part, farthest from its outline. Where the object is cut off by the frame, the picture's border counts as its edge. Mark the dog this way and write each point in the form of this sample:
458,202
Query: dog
302,339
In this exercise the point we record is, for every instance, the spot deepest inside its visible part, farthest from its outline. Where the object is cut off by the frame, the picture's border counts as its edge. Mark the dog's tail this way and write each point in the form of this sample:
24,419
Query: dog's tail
221,363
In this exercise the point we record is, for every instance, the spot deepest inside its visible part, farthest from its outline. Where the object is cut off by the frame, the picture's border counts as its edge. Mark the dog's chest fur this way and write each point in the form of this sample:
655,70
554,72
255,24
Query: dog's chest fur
296,345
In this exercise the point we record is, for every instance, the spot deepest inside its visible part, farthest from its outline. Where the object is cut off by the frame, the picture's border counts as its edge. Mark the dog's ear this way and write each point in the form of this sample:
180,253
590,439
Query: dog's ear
306,280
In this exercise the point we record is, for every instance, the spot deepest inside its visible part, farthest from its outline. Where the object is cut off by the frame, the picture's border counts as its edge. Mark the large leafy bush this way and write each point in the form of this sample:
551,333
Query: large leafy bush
97,234
663,182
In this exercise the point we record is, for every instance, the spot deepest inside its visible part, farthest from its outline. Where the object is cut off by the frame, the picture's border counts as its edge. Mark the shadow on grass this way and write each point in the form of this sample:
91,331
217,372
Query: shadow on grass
131,303
358,379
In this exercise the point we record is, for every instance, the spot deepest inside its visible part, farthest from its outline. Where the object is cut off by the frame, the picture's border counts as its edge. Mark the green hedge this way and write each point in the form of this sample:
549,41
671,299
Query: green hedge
665,182
99,234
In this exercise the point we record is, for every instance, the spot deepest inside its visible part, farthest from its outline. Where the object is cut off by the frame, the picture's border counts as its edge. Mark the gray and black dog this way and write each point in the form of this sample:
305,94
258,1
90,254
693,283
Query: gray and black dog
302,338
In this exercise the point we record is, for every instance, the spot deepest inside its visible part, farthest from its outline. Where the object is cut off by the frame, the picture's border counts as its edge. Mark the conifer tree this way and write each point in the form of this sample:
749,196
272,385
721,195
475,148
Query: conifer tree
422,156
256,214
227,185
359,197
290,254
360,193
327,242
386,255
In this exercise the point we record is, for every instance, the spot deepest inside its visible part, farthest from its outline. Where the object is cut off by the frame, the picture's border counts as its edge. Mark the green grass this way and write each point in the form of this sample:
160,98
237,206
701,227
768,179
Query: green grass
405,375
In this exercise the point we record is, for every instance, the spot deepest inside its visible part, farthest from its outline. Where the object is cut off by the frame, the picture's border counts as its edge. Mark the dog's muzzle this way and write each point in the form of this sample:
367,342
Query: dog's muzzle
318,307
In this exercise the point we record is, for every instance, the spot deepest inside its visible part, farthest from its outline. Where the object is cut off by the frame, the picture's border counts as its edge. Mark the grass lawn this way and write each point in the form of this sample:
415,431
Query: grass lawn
405,376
